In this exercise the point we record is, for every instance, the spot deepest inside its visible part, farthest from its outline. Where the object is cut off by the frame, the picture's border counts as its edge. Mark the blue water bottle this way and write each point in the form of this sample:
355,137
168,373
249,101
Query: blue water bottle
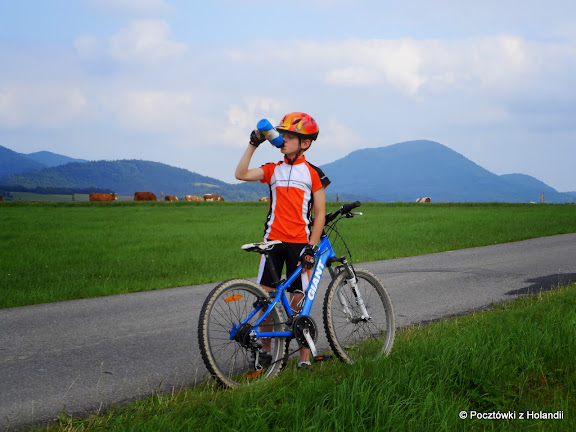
271,134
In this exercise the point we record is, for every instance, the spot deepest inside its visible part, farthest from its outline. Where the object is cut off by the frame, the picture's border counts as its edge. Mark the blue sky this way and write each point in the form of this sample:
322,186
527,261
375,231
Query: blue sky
184,82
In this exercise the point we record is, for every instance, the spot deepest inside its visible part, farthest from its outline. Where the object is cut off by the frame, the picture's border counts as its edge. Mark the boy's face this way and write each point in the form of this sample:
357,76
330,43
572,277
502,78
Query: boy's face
292,145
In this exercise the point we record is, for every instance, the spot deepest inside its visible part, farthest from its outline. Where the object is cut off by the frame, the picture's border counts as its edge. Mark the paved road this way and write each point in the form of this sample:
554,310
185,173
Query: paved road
81,356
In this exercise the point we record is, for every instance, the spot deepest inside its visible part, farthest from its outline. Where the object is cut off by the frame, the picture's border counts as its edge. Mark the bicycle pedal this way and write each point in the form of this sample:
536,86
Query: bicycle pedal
323,358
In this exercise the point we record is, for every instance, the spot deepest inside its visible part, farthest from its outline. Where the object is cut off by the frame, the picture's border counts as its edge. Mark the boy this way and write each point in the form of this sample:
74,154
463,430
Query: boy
296,190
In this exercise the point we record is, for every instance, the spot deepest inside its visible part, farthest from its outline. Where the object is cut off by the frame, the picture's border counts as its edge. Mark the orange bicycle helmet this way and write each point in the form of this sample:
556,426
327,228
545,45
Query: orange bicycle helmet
300,124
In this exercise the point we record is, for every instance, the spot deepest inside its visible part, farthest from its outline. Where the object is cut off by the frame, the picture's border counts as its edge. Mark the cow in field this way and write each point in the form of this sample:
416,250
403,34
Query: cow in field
193,198
264,199
1,198
171,198
213,197
144,196
102,197
424,200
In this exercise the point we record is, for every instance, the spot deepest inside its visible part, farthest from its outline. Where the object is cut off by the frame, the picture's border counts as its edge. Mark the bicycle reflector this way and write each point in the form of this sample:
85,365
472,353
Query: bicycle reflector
323,358
255,374
233,297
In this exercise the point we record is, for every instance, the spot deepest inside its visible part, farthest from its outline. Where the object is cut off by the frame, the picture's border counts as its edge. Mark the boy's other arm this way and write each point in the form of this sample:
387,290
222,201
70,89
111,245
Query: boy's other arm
319,216
243,170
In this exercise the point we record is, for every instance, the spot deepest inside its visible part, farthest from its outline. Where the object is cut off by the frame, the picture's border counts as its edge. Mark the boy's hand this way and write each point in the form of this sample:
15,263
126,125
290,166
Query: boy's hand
307,257
256,138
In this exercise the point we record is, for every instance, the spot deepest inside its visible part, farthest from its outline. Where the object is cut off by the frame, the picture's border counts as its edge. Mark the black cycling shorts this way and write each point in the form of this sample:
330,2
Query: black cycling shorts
280,254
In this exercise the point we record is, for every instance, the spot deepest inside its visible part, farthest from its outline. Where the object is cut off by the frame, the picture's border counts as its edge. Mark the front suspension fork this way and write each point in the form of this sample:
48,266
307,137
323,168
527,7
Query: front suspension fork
352,282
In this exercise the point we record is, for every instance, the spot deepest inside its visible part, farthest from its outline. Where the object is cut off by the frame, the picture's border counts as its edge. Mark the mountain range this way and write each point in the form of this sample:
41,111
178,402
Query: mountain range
408,170
398,172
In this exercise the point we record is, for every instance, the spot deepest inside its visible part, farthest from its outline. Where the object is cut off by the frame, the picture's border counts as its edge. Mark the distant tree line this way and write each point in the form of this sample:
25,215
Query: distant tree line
126,177
6,189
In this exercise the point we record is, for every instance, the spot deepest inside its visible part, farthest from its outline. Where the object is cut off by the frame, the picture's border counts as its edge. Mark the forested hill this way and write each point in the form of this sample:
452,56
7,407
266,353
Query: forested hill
127,176
413,169
50,159
14,163
399,172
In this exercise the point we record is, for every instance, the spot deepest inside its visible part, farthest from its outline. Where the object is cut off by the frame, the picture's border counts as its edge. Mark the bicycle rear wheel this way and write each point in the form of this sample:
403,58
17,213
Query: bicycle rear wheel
232,361
350,336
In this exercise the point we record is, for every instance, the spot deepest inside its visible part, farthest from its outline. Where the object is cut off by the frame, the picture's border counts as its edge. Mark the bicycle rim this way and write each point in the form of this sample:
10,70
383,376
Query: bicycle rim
227,360
352,338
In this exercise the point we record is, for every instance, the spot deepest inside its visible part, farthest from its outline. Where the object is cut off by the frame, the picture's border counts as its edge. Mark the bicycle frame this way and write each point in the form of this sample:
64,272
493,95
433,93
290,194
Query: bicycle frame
244,335
325,252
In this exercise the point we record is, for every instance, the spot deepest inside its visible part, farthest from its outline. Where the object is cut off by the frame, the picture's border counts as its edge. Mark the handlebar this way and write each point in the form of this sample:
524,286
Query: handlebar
344,210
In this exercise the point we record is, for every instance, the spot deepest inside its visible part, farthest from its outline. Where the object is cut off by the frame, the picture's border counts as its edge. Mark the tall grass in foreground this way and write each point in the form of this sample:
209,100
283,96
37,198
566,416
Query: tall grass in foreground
61,251
517,358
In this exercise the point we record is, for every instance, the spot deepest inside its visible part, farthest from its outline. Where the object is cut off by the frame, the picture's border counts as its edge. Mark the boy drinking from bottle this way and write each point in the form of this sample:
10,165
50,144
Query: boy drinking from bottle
296,194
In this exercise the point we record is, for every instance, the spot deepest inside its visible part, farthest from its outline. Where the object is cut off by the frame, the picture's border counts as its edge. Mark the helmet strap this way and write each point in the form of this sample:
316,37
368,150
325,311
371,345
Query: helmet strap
295,158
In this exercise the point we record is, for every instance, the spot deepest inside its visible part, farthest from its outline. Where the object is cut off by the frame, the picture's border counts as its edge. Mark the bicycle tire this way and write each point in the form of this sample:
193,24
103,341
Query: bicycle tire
227,360
351,341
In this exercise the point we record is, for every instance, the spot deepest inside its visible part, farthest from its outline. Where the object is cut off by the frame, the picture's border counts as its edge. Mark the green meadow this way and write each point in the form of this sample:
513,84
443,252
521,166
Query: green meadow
61,251
510,368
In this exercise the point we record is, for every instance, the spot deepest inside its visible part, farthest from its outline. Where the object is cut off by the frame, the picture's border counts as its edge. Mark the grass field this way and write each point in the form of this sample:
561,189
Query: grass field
516,360
61,251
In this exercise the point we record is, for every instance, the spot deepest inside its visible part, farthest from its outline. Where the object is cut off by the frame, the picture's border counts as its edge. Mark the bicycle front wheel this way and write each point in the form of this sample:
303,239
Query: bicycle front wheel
232,360
351,335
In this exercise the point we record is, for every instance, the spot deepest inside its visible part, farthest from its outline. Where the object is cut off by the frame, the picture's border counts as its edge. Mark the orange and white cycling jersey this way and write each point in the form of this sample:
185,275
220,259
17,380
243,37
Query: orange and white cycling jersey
291,199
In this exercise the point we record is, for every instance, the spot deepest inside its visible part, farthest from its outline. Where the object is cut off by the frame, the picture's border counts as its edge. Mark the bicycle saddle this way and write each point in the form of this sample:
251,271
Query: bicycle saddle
260,247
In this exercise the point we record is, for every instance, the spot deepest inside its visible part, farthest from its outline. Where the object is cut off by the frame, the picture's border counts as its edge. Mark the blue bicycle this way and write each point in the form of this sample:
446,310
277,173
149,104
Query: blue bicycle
238,314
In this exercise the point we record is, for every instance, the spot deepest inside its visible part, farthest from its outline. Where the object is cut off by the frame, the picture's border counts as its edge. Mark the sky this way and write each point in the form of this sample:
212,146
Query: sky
184,82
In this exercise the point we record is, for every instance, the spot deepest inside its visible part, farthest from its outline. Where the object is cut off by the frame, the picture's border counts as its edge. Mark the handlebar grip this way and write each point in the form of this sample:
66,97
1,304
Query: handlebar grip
347,208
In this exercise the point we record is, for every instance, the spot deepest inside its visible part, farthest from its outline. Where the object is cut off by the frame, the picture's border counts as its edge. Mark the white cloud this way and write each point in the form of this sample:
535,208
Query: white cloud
40,105
243,119
88,47
146,41
353,76
495,62
253,110
411,65
153,110
336,135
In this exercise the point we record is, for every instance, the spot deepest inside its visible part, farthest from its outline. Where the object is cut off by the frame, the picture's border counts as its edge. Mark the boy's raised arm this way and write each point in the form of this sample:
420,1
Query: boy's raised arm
243,170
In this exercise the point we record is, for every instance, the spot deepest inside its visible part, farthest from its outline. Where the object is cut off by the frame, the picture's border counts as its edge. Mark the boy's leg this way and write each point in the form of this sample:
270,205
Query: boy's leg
266,326
295,306
264,278
297,289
